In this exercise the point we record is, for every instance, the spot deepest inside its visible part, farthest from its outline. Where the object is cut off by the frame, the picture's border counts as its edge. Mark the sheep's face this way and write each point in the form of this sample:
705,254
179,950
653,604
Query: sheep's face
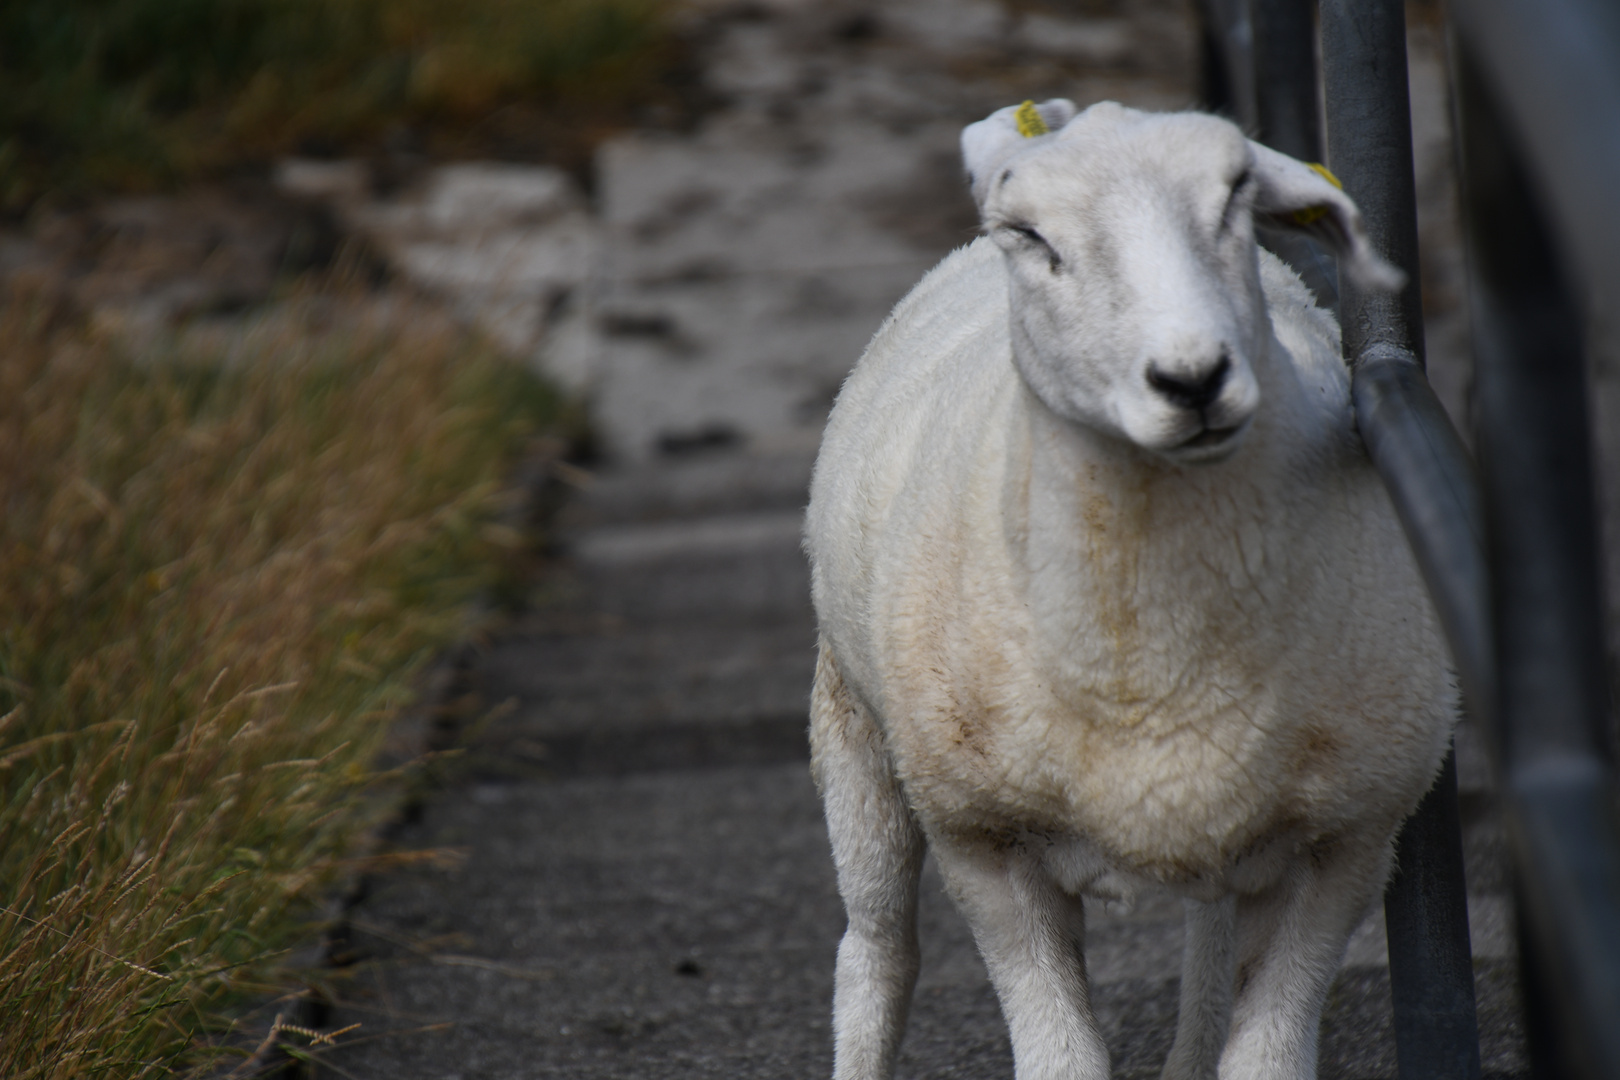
1135,288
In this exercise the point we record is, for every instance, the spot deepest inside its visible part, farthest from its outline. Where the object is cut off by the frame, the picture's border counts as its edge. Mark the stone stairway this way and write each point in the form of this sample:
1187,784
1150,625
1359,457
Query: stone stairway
644,885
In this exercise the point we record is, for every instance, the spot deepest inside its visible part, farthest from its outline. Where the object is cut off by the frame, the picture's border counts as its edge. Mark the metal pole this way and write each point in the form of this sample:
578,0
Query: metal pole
1286,119
1552,64
1286,105
1551,731
1228,46
1369,146
1369,142
1432,484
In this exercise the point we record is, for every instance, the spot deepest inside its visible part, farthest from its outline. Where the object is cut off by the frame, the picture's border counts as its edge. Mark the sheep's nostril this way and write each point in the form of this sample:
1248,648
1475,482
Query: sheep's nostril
1194,391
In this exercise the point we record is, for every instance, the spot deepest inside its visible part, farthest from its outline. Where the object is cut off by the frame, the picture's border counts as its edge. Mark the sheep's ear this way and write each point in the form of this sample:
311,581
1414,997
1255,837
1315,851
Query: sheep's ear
1307,198
990,142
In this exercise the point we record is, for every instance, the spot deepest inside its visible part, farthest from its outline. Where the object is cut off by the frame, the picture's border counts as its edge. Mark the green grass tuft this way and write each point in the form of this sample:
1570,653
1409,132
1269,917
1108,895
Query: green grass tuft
105,94
218,580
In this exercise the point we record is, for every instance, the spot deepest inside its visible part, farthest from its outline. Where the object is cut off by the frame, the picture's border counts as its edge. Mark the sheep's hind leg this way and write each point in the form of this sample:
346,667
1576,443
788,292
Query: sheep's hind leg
1026,930
1205,1014
878,851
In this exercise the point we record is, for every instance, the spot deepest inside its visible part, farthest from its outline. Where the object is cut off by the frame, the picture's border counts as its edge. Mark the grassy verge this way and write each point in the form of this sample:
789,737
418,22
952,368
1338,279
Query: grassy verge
216,579
100,94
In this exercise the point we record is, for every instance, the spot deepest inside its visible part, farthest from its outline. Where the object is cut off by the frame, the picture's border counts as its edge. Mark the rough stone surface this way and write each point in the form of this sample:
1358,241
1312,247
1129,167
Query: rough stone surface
509,247
747,265
138,266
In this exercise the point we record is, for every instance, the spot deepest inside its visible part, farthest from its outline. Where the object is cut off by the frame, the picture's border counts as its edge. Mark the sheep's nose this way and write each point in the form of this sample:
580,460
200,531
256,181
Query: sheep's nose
1193,391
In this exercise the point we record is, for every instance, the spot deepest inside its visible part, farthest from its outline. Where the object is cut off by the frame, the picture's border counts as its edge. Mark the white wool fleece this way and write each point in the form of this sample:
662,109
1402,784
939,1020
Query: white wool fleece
1110,596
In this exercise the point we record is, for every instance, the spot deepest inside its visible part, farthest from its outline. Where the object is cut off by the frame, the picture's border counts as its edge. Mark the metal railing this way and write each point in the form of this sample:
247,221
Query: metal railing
1511,556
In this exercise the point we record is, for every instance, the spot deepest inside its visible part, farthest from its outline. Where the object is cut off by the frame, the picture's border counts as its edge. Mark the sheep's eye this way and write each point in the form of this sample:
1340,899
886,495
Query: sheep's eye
1028,234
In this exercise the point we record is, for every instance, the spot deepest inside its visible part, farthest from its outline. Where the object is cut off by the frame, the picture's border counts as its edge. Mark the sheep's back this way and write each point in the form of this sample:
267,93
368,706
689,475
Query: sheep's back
919,414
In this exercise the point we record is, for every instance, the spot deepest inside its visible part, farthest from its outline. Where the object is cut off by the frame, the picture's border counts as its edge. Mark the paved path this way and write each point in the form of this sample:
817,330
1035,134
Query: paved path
646,888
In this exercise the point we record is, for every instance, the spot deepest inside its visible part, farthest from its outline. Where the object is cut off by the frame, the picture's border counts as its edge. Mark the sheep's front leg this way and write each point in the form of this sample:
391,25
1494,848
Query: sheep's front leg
1291,939
1205,1014
878,851
1027,928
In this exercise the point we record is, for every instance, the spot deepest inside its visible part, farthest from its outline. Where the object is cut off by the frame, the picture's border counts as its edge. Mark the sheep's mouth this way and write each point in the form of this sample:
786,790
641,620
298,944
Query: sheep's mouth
1210,437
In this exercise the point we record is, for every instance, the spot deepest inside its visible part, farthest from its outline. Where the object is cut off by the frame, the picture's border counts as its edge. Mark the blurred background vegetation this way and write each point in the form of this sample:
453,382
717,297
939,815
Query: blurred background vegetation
222,566
120,94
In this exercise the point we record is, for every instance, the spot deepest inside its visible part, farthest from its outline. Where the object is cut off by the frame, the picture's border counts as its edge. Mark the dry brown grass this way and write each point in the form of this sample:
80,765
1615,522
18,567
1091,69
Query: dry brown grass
216,580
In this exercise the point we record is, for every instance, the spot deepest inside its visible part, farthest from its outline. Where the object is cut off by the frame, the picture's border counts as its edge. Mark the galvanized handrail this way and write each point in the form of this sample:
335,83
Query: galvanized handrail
1512,564
1420,457
1538,94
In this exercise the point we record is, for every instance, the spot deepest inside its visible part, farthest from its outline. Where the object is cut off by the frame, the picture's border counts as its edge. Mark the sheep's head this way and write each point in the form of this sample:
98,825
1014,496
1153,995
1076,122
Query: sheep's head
1135,288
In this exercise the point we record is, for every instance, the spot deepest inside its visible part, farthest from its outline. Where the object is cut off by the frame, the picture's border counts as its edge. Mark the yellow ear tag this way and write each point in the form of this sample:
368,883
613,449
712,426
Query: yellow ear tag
1029,120
1322,170
1311,213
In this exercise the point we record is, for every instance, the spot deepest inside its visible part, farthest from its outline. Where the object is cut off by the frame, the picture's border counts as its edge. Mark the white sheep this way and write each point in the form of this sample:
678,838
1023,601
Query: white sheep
1110,597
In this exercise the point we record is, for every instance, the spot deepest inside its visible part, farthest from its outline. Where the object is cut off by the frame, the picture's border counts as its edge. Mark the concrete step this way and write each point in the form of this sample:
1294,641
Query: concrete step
670,643
652,675
684,923
695,484
709,537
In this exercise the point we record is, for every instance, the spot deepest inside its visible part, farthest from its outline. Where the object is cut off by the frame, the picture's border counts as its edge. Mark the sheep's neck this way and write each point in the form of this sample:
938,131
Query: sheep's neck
1138,572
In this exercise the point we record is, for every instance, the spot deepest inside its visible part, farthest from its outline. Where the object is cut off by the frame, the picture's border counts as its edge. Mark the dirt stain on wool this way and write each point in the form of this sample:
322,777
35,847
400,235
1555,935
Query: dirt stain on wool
972,733
1116,530
1321,749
